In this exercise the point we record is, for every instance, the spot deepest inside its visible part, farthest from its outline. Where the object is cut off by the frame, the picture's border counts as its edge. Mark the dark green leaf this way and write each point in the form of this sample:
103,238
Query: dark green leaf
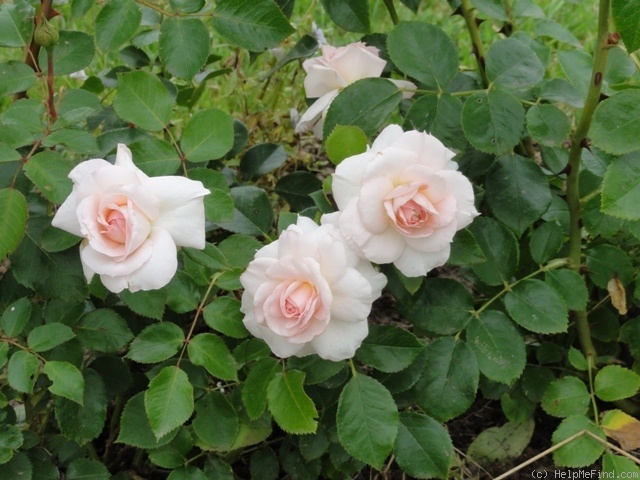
439,114
261,159
49,171
289,404
551,29
15,317
350,15
168,401
626,15
73,53
187,6
388,348
616,123
156,343
537,307
548,124
46,337
174,454
465,250
512,65
85,469
135,429
296,187
16,24
13,219
22,371
143,99
15,76
154,156
79,140
116,23
216,422
621,188
146,303
184,46
103,330
546,242
606,261
442,306
566,396
305,47
224,315
582,451
500,248
253,213
254,388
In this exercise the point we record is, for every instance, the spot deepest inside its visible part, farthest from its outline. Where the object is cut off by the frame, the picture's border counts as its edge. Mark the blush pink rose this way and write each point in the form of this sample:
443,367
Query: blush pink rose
132,224
402,201
308,292
335,69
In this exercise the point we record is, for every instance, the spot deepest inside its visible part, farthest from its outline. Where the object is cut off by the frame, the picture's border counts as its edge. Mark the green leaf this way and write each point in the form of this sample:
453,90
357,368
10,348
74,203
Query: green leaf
512,65
465,250
11,439
187,472
116,23
537,307
143,99
73,52
492,8
216,422
423,447
559,90
253,213
187,6
13,219
83,424
615,466
493,121
546,242
103,330
218,205
156,343
388,348
577,359
224,315
264,464
441,115
174,454
85,469
606,261
148,303
79,140
135,429
317,370
76,106
305,47
616,123
254,388
566,396
15,77
168,401
615,382
184,46
261,159
517,192
547,124
67,381
571,287
208,135
500,248
210,351
582,451
8,154
551,29
154,156
15,317
22,371
50,173
626,15
501,444
251,24
291,407
448,386
350,15
296,187
621,188
16,24
442,306
18,467
367,420
425,52
46,337
366,103
498,346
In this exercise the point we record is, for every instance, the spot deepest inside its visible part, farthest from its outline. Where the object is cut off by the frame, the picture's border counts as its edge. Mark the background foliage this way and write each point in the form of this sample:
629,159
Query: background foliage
537,308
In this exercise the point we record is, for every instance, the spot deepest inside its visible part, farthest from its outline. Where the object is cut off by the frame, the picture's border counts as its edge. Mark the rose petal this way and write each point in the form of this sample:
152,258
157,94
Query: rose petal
280,346
66,218
160,268
428,148
355,62
125,159
460,187
370,204
314,116
405,85
352,297
387,137
415,264
389,162
340,340
105,265
347,179
320,79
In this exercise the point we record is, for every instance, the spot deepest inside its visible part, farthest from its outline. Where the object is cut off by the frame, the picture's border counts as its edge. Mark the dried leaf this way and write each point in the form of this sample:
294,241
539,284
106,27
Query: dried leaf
622,428
618,295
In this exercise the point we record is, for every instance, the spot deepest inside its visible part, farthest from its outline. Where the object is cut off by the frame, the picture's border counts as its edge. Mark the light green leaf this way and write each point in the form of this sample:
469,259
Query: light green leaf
168,401
208,135
16,24
155,156
512,65
184,46
493,121
13,219
367,420
223,314
498,346
103,330
210,351
423,447
615,466
73,52
616,123
448,386
15,77
551,29
79,140
615,382
548,124
291,407
626,15
366,103
566,396
67,380
15,317
582,451
425,52
116,23
216,422
143,99
389,349
621,187
149,303
537,307
252,24
156,343
45,337
50,173
22,371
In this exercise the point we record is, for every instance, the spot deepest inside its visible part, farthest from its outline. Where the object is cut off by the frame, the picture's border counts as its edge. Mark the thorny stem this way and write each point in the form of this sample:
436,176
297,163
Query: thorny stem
51,107
183,158
592,392
476,40
578,142
392,11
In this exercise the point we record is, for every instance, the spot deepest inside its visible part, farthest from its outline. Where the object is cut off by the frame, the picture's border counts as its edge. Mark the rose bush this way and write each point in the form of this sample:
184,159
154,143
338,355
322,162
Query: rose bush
131,224
403,200
335,69
308,292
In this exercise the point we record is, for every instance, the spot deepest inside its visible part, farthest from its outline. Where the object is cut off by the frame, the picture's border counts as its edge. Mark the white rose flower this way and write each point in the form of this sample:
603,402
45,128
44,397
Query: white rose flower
335,69
402,201
308,292
132,224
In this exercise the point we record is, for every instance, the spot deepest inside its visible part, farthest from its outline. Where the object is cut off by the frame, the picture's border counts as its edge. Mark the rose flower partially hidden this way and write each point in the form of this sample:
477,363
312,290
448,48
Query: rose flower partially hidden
132,224
335,69
308,292
402,201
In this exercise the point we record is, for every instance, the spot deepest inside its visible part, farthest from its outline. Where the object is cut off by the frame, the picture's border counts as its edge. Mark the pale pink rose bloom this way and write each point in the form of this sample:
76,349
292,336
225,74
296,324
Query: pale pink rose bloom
402,201
335,69
132,224
308,292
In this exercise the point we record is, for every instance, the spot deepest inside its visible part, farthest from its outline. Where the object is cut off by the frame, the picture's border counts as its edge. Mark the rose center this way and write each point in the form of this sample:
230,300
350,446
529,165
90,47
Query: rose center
412,215
297,301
